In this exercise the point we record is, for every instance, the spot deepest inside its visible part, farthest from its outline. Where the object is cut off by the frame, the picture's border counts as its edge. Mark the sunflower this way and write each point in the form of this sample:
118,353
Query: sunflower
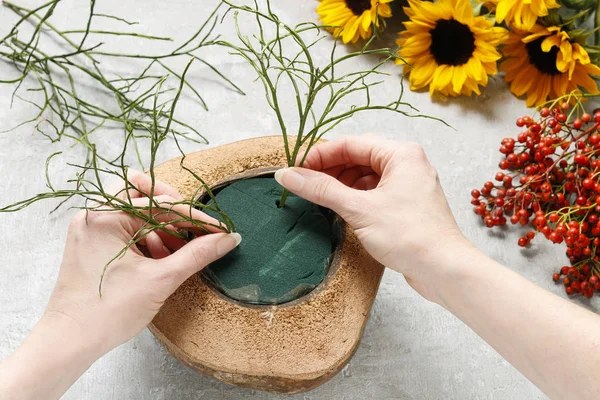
545,63
521,14
448,49
352,19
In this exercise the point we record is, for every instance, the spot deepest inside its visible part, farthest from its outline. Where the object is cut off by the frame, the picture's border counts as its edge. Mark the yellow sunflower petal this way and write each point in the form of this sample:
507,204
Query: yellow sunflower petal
559,85
459,78
524,76
384,11
565,50
331,7
532,97
423,74
545,89
581,78
580,54
446,72
350,29
529,18
340,19
463,12
503,8
538,31
522,82
539,8
475,69
472,86
439,76
550,42
365,20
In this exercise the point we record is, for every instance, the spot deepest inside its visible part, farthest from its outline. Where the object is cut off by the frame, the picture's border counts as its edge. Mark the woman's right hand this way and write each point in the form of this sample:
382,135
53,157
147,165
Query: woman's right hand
389,193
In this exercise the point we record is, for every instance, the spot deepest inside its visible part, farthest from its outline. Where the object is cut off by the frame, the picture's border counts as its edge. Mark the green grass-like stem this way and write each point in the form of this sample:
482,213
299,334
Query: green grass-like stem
285,56
146,110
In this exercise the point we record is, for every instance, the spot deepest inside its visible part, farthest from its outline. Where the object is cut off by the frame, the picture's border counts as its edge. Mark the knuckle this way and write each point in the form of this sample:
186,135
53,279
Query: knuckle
200,256
165,202
78,220
166,277
356,210
99,219
414,149
168,203
433,173
321,190
356,205
413,153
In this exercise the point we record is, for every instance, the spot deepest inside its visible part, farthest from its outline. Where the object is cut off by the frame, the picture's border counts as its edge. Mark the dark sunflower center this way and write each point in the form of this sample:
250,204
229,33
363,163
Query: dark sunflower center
452,43
544,62
358,6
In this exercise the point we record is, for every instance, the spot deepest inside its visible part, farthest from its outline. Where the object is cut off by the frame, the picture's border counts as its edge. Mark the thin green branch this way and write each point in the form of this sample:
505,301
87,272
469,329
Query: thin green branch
289,73
132,34
141,105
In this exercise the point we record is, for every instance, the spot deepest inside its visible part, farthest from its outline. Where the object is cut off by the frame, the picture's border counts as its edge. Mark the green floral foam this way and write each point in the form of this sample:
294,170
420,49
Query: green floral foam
285,252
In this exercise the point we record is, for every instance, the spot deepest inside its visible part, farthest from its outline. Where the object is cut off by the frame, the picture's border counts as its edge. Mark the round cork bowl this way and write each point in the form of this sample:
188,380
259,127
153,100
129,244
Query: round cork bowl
288,348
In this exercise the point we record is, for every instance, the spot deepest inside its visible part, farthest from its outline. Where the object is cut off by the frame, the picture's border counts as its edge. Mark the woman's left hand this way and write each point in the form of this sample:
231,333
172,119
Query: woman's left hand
79,324
134,287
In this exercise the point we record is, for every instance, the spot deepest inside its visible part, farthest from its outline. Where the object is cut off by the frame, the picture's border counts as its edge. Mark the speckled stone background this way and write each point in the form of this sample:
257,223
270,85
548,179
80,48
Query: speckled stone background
411,349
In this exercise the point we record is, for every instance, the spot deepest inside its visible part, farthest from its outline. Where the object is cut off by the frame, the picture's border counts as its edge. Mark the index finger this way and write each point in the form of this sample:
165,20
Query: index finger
139,185
349,151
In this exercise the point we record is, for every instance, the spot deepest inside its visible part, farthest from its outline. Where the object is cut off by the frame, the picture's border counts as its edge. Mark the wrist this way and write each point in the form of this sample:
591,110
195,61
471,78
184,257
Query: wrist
58,349
458,268
70,335
441,266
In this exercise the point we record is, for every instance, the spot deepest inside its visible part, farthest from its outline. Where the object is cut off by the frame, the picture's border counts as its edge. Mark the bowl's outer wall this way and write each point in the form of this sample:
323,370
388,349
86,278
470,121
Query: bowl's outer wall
289,348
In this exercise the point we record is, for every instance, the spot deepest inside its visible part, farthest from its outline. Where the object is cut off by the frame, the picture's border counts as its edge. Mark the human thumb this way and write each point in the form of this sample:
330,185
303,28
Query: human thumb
319,188
200,252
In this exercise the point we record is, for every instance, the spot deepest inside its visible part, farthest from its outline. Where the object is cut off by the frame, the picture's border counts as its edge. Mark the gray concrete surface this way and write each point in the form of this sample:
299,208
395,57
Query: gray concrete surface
411,349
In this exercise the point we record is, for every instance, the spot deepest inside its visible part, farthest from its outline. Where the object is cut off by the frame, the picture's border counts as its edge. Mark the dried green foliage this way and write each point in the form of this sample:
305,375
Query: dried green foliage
74,113
320,92
145,109
143,112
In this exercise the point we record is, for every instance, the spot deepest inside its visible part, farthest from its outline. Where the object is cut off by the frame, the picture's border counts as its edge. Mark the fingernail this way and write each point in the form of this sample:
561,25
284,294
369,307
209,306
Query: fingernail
293,180
237,237
228,243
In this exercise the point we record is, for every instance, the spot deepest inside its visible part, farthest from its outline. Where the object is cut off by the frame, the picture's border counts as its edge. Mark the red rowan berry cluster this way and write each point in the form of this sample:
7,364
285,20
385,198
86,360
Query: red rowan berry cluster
550,180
